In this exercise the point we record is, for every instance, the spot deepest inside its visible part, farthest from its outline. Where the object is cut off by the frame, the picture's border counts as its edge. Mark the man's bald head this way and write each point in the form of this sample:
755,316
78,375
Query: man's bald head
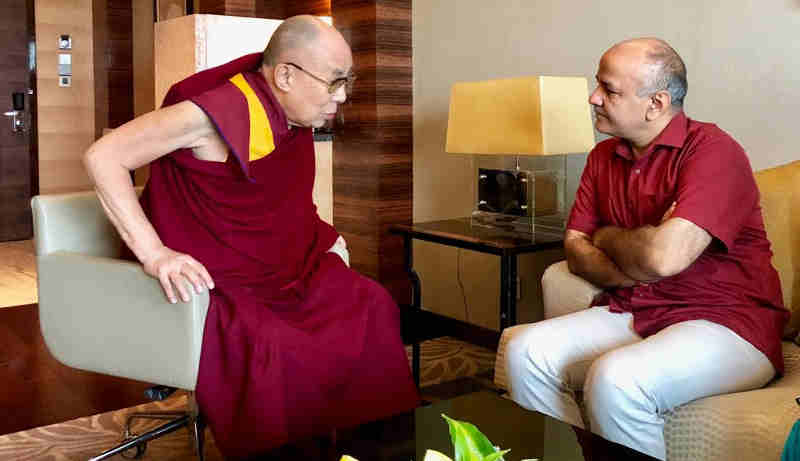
308,66
662,68
298,34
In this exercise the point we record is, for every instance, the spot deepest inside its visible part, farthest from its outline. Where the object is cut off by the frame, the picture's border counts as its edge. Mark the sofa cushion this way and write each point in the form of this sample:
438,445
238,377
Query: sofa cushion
780,200
751,425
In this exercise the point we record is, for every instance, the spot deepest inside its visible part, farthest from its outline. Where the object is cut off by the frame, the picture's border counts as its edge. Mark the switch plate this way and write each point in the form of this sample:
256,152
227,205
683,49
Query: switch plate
64,64
64,42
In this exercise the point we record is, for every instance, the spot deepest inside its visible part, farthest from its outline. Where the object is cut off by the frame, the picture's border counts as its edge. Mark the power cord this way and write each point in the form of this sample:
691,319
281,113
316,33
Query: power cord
461,284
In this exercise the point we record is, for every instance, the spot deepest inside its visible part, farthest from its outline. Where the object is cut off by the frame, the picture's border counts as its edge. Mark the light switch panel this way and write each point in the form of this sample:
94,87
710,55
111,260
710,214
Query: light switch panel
64,64
64,42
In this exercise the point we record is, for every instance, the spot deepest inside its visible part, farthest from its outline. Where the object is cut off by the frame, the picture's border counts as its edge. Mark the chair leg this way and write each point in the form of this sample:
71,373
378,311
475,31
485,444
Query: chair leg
165,415
164,429
199,431
198,427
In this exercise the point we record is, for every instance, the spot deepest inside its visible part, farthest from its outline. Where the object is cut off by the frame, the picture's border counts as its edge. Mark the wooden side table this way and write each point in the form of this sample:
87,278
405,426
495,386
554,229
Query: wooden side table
461,234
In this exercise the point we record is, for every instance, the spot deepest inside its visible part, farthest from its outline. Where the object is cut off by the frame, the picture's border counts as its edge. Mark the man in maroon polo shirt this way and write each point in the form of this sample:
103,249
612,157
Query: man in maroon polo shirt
667,220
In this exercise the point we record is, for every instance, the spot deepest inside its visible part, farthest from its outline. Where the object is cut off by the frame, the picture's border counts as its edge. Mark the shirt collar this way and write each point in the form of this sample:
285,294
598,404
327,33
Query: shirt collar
673,135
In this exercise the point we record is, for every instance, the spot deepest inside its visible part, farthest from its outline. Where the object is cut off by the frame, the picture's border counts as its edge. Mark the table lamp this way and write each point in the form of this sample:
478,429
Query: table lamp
526,116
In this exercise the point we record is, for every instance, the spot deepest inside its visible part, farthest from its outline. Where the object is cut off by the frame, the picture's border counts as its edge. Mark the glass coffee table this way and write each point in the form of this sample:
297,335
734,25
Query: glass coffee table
406,437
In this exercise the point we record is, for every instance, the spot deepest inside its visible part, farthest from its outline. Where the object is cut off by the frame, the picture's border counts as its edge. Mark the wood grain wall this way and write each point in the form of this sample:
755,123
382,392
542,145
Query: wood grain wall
118,60
372,144
65,115
143,71
226,7
315,7
282,9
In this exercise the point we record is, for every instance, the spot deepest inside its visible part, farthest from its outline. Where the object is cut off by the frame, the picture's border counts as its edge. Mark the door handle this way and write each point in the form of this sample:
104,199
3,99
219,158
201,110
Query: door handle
17,120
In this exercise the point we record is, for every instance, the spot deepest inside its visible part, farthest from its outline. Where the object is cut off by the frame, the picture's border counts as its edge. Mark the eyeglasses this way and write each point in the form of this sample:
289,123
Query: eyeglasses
334,85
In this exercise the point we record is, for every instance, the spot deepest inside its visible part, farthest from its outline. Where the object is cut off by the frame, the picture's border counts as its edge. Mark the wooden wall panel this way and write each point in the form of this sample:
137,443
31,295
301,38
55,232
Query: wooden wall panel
119,61
282,9
100,38
315,7
113,63
143,71
227,7
372,147
271,9
66,115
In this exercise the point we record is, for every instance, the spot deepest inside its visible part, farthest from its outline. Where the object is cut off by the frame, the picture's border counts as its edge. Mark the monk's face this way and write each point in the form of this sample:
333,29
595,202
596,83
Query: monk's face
325,65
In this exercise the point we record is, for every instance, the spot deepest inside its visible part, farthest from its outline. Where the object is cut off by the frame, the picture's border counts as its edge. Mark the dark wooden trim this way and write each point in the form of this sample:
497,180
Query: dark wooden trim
113,63
421,325
33,141
118,67
372,144
229,7
99,38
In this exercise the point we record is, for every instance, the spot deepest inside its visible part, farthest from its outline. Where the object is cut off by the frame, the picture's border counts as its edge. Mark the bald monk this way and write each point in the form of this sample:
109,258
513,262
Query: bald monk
295,342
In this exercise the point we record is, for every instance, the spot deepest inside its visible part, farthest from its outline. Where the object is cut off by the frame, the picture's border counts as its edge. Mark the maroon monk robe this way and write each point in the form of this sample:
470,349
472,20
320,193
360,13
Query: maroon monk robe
295,342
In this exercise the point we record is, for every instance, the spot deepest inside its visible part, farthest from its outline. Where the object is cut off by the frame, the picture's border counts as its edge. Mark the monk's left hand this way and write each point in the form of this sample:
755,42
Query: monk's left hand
340,248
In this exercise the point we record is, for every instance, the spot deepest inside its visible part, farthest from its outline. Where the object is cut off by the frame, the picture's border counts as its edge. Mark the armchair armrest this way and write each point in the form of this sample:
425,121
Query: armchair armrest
92,308
564,292
74,222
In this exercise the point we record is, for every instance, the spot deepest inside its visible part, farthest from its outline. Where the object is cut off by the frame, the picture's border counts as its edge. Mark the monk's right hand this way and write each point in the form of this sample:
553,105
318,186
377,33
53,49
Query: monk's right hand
174,269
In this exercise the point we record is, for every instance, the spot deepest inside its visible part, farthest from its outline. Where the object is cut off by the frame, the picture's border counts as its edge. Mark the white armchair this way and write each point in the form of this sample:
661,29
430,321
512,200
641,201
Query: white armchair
103,314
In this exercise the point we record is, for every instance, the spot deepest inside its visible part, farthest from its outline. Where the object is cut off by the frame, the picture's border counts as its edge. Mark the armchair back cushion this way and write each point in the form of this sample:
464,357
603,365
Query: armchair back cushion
780,202
55,218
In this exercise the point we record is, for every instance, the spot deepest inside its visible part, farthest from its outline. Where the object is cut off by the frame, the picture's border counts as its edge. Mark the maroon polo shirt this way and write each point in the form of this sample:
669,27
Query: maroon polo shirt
707,173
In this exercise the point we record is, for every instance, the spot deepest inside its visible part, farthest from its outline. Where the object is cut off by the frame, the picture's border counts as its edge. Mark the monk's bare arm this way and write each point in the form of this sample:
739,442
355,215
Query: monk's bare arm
589,262
109,162
650,253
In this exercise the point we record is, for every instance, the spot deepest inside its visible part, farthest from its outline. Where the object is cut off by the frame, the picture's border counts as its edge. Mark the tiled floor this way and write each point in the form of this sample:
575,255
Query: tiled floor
17,273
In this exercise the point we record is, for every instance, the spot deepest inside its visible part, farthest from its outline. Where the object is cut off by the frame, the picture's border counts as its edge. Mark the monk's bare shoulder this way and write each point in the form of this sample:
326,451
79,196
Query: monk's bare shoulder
211,148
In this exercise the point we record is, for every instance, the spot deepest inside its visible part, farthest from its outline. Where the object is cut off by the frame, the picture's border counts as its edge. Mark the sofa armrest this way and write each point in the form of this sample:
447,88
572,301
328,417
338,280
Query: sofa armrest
564,292
89,306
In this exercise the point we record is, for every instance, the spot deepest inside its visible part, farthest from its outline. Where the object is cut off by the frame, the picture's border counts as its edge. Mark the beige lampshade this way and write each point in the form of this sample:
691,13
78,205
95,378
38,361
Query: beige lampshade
520,116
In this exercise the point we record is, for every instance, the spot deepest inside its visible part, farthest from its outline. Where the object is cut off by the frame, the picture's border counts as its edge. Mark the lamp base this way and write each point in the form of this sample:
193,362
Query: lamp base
516,225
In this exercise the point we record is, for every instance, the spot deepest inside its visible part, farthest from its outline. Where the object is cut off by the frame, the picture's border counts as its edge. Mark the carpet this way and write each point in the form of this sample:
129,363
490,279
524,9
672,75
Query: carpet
443,360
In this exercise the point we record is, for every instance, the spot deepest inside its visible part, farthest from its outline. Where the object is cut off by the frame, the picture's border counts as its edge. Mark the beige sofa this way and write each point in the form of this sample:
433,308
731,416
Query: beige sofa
742,426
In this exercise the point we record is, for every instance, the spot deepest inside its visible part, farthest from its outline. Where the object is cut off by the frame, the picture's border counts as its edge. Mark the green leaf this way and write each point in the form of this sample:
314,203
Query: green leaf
469,443
496,456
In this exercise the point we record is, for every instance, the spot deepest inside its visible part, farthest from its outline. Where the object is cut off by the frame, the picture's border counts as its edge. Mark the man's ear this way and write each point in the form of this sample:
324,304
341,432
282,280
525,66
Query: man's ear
282,75
659,104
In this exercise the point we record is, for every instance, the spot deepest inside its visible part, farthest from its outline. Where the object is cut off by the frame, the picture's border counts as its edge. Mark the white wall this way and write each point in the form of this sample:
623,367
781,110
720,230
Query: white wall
743,60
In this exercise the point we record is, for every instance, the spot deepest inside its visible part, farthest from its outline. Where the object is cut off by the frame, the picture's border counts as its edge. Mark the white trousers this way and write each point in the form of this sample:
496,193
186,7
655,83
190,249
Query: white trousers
628,383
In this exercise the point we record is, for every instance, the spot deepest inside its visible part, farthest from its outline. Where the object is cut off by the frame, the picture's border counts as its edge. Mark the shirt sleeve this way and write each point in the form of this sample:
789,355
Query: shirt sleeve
716,189
583,217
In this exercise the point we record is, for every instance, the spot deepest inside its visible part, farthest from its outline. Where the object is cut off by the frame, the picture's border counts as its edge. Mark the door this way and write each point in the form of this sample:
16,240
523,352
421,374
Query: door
18,159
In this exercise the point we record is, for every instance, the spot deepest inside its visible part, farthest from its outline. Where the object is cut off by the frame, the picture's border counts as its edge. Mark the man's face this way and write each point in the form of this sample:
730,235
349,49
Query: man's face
619,110
312,104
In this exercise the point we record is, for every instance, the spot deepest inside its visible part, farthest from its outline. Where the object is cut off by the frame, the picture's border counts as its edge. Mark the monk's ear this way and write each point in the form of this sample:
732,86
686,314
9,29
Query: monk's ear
282,74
